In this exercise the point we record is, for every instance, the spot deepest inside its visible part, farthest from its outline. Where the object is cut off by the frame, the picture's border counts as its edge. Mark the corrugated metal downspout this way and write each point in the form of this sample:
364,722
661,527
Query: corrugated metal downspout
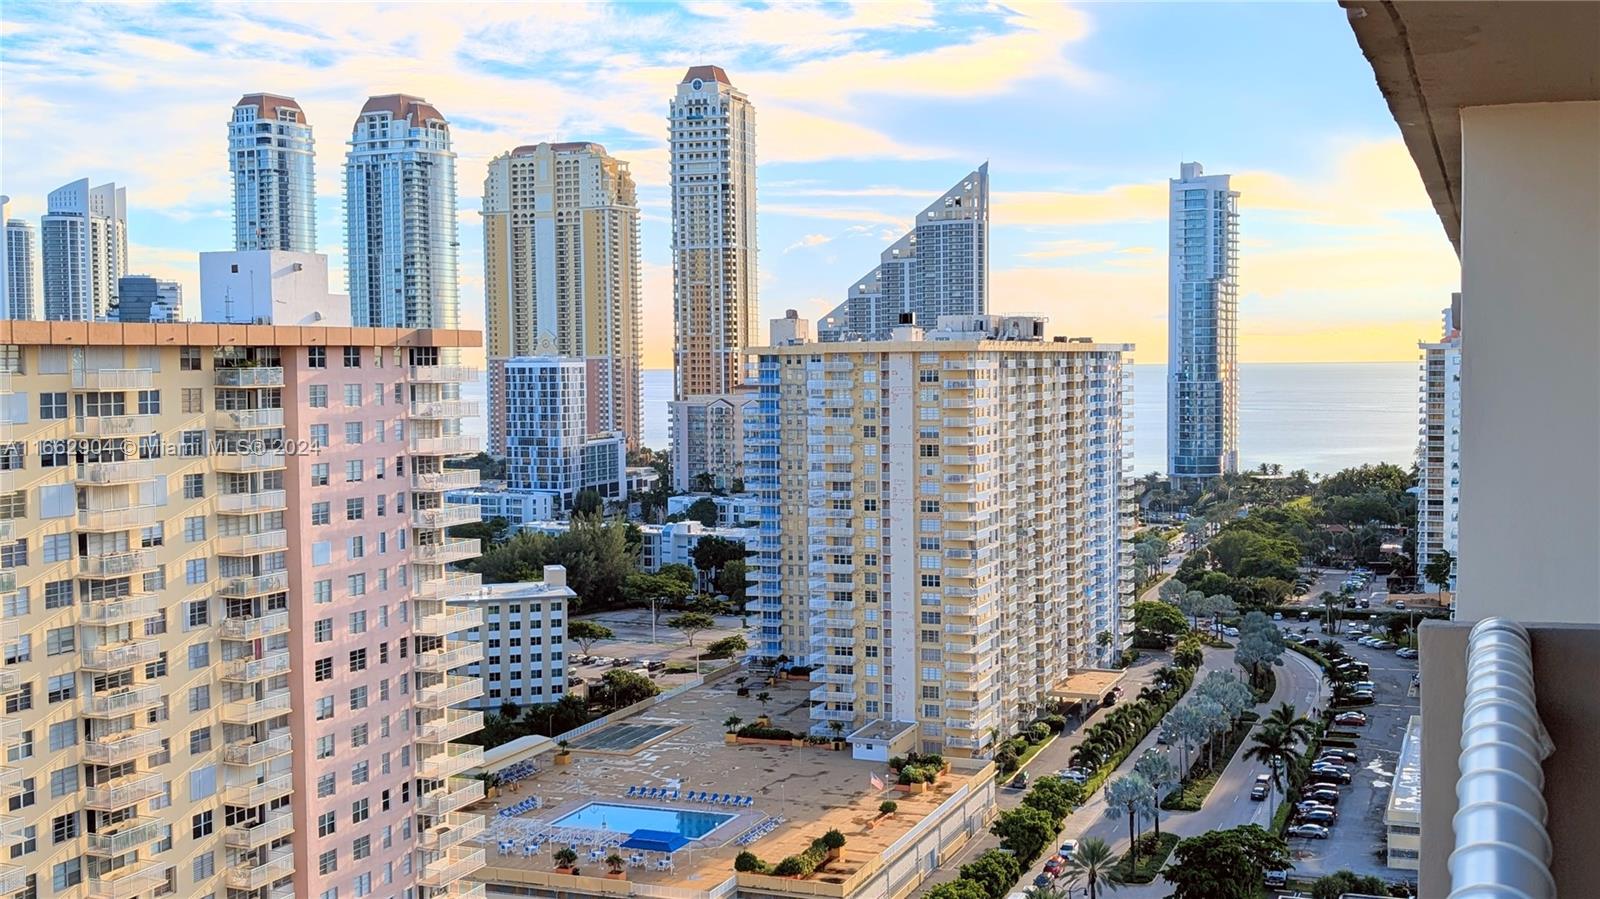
1502,843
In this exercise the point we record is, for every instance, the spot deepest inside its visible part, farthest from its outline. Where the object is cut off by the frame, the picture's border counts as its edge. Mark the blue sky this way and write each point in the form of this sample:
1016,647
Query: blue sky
864,113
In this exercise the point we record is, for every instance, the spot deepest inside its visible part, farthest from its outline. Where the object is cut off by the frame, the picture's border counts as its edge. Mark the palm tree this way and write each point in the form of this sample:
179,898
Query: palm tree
1274,747
1093,863
1158,769
1127,795
1299,728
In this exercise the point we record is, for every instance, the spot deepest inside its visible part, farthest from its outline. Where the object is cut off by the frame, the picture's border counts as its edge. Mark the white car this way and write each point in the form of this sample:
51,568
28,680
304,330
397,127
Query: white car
1230,631
1068,848
1309,831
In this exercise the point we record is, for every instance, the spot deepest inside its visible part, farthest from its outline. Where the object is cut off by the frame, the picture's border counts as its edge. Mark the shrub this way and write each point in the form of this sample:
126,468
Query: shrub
793,867
1006,758
1056,723
919,773
1038,732
759,732
888,807
748,861
833,840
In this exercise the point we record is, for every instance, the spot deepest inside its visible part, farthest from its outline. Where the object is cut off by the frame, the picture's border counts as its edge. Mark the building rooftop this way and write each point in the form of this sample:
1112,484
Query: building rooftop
79,333
403,106
267,105
1088,684
706,73
1405,799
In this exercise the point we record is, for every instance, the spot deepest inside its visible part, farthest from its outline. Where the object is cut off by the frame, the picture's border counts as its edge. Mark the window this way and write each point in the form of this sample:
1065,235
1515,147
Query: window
194,528
358,622
352,357
199,740
63,734
149,402
325,746
194,399
194,485
359,773
318,396
63,781
67,874
316,357
326,824
154,535
356,585
194,571
319,436
361,848
359,811
353,432
322,630
358,698
61,687
21,701
192,443
52,453
324,708
57,547
320,513
358,736
59,640
355,509
352,395
325,785
358,659
199,656
322,592
356,547
205,865
28,843
352,470
189,358
328,862
319,474
64,827
52,406
200,698
322,669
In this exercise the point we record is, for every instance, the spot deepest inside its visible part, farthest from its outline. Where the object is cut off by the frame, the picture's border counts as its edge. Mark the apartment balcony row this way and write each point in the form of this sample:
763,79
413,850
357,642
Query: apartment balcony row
447,551
135,877
826,620
263,376
445,410
253,793
449,479
450,445
433,618
448,585
249,670
247,419
250,503
121,703
444,374
119,609
273,827
265,868
456,758
832,641
249,753
123,746
446,516
107,474
121,792
116,656
450,654
450,830
256,711
103,426
251,544
451,691
820,713
451,795
455,864
126,836
255,628
248,460
831,693
824,676
453,724
113,379
113,520
255,585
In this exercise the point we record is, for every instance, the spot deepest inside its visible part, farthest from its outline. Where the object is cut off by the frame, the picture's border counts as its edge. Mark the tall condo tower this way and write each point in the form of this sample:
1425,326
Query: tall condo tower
561,277
714,306
271,155
84,248
400,210
1439,444
16,267
1202,334
939,267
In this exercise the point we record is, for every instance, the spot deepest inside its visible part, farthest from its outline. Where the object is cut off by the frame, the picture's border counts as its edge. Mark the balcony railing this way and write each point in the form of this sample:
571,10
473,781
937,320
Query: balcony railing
266,376
112,379
250,670
445,409
252,544
452,725
115,749
247,503
258,793
257,711
122,702
112,425
242,462
242,587
455,759
97,474
450,830
442,624
453,691
255,628
454,445
128,836
274,865
133,878
249,753
443,374
455,794
446,516
118,519
123,792
272,828
114,656
451,868
447,551
450,584
450,479
119,610
450,654
248,419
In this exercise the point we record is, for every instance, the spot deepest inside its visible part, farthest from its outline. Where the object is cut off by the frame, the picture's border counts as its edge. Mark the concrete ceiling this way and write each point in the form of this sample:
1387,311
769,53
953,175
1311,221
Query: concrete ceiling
1431,59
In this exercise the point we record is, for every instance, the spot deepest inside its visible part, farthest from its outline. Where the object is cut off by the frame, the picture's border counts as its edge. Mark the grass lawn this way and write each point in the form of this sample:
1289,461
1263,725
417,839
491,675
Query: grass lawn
1192,791
1152,858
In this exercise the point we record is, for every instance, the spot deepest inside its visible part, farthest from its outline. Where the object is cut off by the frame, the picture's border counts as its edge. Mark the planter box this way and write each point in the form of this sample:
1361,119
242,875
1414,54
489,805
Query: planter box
757,741
912,788
803,677
797,743
730,739
563,759
617,876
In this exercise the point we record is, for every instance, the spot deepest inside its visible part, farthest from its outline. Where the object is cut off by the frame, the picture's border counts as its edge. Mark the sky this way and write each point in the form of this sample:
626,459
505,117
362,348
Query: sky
865,112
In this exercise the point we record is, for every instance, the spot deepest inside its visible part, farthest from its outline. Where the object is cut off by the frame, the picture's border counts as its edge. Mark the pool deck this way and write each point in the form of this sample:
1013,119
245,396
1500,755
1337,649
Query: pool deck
813,789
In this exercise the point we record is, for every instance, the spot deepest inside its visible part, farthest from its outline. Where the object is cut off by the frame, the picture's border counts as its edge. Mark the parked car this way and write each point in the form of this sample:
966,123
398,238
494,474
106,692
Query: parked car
1109,700
1277,878
1362,697
1384,644
1053,866
1406,652
1020,782
1068,848
1327,795
1367,685
1277,616
1329,775
1399,603
1346,755
1309,831
1230,631
1043,880
1305,615
1319,816
1076,775
1352,719
1311,805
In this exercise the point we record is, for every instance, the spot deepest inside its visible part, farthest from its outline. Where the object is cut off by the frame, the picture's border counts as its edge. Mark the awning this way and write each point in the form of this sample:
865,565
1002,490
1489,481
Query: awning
1088,685
655,841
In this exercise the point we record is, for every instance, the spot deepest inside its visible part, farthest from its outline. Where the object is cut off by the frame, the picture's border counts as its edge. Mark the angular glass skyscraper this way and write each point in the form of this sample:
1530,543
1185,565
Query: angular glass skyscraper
83,244
1202,334
400,212
939,267
271,155
16,267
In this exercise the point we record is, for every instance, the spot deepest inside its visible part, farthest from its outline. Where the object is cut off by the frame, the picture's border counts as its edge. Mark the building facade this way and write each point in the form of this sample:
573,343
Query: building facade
1439,449
939,267
523,632
960,489
561,275
17,270
1202,330
83,248
269,286
272,157
708,440
142,298
400,213
714,288
227,651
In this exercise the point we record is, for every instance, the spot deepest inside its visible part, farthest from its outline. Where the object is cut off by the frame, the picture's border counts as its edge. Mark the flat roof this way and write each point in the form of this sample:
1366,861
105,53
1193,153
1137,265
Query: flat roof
879,730
1405,798
65,333
983,344
1091,683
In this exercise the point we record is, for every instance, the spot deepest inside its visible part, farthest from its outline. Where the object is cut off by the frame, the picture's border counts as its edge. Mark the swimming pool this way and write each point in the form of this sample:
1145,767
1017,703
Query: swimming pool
689,824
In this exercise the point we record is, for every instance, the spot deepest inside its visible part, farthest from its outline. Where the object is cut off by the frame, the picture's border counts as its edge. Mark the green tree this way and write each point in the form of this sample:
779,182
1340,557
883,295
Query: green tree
733,580
1273,746
1297,726
492,531
666,589
1172,590
588,502
1025,831
624,688
730,645
703,510
995,871
959,888
1342,882
1093,863
587,633
711,553
1055,796
1158,619
691,623
1128,795
1224,864
1162,775
1188,654
1438,570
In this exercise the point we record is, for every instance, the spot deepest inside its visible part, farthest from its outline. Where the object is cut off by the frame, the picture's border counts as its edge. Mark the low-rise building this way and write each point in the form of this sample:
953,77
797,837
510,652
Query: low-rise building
523,635
1403,817
732,509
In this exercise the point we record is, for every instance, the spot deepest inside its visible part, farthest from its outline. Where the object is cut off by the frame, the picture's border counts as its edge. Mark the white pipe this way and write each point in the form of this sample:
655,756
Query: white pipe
1503,845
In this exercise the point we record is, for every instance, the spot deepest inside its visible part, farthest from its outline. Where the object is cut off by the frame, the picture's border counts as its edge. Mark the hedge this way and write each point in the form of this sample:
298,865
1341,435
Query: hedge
758,732
801,864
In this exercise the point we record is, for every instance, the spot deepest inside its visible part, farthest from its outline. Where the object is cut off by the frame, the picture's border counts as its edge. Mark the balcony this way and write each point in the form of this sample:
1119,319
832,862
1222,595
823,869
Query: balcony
134,878
121,703
455,759
447,551
112,379
246,752
128,836
247,503
112,426
443,624
452,725
449,585
250,670
446,410
273,865
255,628
258,793
251,544
453,691
455,445
450,479
108,520
249,377
119,610
450,654
259,585
446,516
102,474
455,794
273,827
247,419
443,374
819,714
243,462
450,830
123,792
115,656
463,889
254,712
451,868
115,749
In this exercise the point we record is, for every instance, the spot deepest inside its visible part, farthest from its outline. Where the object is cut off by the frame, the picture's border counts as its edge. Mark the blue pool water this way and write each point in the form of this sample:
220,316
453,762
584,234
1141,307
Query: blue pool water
691,825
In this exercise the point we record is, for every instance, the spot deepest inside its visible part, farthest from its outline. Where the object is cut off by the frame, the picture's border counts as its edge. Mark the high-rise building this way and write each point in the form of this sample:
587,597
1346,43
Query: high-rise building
16,267
400,213
524,624
272,156
142,298
714,306
561,276
1202,335
939,267
1439,449
964,489
83,242
228,657
269,287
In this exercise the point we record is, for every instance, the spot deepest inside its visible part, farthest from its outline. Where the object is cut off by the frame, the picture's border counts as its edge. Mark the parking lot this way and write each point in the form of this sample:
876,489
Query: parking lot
1356,842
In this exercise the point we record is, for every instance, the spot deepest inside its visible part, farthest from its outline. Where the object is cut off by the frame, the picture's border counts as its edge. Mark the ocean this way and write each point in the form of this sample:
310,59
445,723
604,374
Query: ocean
1320,417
